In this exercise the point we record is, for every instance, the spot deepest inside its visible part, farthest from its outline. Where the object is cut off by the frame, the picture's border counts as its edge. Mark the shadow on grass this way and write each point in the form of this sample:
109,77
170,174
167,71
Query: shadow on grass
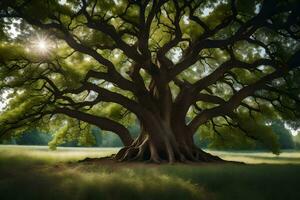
31,175
246,182
30,179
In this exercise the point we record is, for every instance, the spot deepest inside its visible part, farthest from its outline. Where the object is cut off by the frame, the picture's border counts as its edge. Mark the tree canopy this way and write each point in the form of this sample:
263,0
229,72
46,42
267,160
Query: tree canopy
177,66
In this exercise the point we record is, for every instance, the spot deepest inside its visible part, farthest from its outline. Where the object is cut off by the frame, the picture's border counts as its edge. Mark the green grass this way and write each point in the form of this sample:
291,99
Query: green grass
38,173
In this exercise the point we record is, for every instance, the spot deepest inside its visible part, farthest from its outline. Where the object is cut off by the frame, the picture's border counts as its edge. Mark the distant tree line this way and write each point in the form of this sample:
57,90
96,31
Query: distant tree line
232,141
106,139
100,139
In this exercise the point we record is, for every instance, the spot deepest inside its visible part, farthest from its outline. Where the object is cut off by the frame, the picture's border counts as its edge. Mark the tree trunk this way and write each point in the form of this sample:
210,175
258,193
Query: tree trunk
161,142
164,135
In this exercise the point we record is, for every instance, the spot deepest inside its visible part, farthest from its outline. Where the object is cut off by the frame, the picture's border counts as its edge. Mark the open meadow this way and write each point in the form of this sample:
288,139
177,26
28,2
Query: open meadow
28,172
166,79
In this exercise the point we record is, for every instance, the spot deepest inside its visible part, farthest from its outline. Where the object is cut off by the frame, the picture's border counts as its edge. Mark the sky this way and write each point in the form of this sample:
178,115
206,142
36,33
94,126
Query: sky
13,30
2,105
4,99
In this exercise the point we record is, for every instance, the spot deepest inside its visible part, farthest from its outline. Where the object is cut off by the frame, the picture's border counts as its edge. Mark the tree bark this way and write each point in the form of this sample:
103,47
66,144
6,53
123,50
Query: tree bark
101,122
159,142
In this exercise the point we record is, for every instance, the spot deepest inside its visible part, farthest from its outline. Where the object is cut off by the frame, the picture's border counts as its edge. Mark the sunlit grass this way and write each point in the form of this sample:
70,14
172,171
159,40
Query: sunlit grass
66,154
39,173
252,157
44,154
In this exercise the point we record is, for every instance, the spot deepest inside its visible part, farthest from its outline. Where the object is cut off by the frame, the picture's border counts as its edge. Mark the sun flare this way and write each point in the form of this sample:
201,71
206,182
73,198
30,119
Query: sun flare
42,46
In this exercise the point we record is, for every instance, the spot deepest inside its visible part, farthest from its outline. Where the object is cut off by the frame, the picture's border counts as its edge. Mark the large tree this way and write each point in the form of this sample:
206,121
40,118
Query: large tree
175,65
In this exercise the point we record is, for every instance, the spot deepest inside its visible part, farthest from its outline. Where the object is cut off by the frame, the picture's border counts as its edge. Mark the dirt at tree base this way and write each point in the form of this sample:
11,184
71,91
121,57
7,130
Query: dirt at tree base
110,161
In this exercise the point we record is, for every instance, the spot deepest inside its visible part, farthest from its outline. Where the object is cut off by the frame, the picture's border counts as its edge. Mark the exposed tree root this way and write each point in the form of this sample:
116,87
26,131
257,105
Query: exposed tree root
143,149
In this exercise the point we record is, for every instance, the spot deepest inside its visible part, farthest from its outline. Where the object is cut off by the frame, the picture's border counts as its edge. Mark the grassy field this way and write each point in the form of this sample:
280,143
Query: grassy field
38,173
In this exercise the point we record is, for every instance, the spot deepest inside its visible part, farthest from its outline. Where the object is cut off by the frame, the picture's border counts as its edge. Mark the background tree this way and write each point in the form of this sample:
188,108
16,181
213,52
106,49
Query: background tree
174,65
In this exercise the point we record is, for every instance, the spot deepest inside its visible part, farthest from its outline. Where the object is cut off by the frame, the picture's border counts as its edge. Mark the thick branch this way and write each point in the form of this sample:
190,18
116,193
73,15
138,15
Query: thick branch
101,122
237,98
